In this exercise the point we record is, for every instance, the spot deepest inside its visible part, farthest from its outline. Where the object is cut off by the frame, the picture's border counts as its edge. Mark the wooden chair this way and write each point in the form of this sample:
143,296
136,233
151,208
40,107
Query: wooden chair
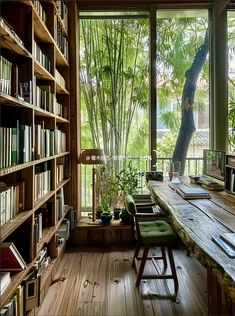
150,234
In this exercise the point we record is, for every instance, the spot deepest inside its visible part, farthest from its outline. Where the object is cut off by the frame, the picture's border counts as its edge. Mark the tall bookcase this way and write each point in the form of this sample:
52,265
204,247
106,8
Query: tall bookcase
35,192
230,173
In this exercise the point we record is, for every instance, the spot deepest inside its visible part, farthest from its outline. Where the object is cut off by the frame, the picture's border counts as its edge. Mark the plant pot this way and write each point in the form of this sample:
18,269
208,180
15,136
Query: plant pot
116,213
105,218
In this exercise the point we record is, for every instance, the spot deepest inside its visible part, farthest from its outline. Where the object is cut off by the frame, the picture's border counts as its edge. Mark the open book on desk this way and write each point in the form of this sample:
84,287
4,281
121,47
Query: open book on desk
193,193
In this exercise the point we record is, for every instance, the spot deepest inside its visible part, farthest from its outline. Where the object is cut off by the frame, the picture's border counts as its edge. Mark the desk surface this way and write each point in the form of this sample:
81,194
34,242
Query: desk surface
196,221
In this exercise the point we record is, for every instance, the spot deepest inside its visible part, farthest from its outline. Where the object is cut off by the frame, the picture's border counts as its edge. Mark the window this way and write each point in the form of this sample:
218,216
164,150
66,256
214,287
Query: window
182,82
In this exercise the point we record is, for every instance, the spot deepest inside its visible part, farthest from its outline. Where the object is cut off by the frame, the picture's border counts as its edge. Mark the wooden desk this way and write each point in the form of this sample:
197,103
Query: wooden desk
196,221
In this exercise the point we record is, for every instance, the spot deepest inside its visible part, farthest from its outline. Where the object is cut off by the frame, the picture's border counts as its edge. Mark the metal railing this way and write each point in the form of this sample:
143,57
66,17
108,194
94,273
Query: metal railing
192,166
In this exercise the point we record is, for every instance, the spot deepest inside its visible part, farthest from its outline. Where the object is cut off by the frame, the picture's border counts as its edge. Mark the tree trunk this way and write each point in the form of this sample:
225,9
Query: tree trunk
187,127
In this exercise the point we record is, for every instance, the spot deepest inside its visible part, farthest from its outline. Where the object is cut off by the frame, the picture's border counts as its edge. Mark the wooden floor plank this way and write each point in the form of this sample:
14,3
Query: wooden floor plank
101,282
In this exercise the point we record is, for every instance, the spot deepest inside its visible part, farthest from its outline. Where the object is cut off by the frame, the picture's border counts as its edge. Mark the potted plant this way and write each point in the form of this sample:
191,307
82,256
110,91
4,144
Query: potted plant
128,184
105,216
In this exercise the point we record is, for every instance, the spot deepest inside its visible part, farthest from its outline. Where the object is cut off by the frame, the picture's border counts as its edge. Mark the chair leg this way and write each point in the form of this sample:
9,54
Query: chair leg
174,275
164,258
142,265
137,249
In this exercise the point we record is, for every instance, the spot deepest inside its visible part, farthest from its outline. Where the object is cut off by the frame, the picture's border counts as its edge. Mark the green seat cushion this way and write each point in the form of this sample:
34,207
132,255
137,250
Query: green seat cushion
157,232
130,204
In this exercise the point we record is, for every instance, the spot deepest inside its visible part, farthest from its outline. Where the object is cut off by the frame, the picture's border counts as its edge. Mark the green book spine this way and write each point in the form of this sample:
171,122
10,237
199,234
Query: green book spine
14,159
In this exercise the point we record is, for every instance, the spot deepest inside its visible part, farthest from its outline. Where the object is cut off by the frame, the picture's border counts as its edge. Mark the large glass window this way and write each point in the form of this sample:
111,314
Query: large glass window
182,84
114,74
115,102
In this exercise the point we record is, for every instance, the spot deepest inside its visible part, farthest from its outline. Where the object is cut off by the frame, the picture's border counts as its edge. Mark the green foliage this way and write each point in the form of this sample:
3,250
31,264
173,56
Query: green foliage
231,120
128,179
165,146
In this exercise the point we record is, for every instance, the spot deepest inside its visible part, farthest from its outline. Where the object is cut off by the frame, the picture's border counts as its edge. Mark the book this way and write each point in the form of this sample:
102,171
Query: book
193,193
5,279
229,250
229,238
31,285
10,258
20,299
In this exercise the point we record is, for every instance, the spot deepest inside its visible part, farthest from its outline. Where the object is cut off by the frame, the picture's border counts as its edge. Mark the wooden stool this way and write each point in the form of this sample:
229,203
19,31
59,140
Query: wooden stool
150,234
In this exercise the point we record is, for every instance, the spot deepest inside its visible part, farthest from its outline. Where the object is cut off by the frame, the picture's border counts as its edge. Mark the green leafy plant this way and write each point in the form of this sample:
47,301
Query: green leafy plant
128,179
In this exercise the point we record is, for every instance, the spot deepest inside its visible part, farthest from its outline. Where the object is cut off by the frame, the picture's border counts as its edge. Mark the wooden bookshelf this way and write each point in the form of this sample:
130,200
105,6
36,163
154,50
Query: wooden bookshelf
230,173
34,131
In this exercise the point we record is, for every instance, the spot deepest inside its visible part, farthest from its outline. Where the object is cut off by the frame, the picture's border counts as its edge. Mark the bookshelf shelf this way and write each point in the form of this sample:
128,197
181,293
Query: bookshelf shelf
14,223
60,59
41,72
34,133
12,101
60,89
10,41
9,170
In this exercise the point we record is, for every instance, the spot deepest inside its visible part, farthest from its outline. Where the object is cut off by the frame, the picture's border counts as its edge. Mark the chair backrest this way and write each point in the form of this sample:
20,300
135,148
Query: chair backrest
130,205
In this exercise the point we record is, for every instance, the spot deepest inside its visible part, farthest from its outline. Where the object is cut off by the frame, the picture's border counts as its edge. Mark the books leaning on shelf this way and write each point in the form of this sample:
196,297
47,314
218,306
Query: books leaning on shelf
10,258
229,238
226,247
5,279
193,193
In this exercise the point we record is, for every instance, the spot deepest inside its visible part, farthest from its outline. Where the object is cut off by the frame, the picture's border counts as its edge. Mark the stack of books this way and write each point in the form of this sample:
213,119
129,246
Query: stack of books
193,193
226,241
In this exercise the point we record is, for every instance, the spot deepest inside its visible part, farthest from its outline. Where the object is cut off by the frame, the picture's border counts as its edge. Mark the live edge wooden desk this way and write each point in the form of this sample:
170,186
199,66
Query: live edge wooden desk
196,221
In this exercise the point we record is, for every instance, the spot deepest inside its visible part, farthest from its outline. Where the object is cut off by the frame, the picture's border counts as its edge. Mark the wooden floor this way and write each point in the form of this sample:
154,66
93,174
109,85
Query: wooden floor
100,282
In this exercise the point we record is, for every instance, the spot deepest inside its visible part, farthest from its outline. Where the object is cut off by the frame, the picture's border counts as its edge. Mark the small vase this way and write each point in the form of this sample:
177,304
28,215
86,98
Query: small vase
116,213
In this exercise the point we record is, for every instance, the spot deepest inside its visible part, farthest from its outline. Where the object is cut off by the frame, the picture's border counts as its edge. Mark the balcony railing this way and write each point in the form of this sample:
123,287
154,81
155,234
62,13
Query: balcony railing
192,166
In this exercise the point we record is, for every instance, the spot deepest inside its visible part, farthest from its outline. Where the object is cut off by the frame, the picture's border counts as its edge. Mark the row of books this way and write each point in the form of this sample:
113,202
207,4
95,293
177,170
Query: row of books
17,147
42,58
61,40
45,99
48,142
11,200
5,75
63,11
9,81
23,90
39,9
60,79
42,181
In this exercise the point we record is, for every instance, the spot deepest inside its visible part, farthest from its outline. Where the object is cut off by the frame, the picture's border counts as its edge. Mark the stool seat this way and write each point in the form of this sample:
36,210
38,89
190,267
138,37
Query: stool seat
156,232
